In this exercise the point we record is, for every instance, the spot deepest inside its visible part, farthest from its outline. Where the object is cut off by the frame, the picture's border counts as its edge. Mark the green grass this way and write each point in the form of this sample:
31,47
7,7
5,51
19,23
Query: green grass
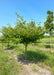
8,66
40,45
46,40
36,55
34,68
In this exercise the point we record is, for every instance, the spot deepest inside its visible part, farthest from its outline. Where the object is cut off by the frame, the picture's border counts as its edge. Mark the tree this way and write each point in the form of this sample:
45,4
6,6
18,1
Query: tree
49,26
28,32
7,33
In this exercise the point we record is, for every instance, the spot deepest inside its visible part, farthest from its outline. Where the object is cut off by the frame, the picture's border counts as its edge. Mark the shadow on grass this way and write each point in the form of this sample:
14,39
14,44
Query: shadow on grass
47,46
32,56
13,46
6,48
10,47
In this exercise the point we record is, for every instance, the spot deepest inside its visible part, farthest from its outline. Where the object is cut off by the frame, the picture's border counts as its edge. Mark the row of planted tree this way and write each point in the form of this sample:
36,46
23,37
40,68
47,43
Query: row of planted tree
26,33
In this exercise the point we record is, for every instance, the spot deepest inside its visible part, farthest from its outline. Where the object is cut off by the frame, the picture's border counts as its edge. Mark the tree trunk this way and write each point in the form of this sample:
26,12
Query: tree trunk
50,43
25,51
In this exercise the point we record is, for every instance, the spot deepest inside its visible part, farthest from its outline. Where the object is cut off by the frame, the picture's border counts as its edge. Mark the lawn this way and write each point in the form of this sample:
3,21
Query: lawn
8,66
41,57
46,40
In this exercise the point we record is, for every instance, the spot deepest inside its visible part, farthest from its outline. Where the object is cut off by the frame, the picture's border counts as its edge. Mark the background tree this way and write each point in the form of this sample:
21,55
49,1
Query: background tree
7,34
49,26
2,39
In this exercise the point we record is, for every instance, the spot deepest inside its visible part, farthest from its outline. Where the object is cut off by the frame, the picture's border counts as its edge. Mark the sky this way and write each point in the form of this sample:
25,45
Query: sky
29,9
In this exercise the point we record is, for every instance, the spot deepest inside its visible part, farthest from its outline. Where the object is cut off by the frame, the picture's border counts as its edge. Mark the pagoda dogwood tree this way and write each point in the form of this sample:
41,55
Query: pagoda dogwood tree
23,32
28,32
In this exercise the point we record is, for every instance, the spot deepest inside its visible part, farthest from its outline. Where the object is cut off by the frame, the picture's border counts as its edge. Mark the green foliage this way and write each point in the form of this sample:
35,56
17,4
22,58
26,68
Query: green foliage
2,39
23,32
49,26
28,32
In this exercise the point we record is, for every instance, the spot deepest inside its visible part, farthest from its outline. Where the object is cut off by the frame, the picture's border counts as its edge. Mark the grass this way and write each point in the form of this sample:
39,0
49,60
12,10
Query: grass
8,66
36,55
41,65
41,45
40,57
34,68
46,40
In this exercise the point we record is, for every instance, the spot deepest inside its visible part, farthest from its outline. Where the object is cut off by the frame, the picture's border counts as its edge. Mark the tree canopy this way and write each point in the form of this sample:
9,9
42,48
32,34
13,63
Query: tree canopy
49,26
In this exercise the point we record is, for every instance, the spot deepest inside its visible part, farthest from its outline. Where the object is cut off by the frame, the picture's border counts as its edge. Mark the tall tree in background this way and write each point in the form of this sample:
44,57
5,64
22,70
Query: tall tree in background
49,26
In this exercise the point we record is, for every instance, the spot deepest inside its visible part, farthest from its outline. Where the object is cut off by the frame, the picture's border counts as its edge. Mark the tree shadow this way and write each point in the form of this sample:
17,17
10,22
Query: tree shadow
33,57
10,47
47,46
13,46
6,48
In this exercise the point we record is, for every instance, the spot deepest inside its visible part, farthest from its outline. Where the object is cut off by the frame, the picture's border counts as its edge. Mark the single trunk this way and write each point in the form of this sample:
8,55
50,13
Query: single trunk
50,43
25,51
